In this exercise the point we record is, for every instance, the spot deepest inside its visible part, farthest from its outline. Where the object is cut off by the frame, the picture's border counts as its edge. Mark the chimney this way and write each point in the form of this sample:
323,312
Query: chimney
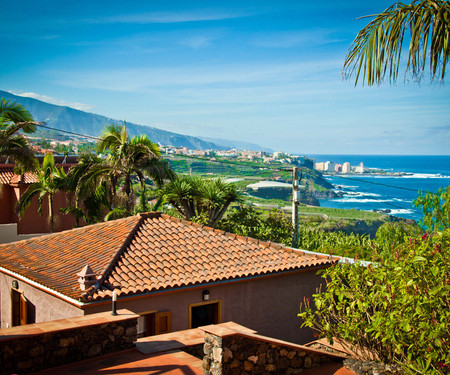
87,277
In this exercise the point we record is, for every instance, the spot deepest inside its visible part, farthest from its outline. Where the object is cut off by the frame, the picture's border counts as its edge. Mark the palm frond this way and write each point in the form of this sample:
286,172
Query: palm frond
377,49
10,111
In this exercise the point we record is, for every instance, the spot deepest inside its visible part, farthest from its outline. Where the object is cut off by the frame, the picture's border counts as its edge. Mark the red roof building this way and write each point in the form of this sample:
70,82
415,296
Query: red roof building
175,274
13,186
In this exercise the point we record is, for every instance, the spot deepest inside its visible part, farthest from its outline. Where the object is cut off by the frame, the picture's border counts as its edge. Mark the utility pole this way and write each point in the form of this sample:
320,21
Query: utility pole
295,199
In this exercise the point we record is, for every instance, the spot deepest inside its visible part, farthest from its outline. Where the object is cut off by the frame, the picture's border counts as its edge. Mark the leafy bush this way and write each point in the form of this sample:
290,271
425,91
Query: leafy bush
337,243
436,209
274,226
391,235
396,310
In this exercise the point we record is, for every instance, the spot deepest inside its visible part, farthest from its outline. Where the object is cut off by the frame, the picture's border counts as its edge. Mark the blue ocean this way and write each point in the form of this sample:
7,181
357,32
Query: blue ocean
396,193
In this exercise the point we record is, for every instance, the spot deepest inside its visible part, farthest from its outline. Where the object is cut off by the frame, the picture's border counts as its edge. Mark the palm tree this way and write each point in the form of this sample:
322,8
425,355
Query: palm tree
88,195
377,48
13,119
194,197
126,158
136,157
51,180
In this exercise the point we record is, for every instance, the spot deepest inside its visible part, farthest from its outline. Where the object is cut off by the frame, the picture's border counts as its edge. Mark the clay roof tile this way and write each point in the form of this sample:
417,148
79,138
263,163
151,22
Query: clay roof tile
179,253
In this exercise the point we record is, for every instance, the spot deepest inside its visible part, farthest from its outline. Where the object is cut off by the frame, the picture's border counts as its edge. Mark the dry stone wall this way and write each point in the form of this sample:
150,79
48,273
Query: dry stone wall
40,351
242,355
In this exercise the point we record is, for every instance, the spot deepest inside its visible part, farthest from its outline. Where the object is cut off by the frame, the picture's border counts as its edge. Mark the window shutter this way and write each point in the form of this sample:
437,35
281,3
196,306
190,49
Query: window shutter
23,309
163,323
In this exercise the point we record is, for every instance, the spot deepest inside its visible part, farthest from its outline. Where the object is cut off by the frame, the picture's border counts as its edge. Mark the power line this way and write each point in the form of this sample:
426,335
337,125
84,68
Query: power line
233,163
380,200
391,204
377,183
280,169
68,132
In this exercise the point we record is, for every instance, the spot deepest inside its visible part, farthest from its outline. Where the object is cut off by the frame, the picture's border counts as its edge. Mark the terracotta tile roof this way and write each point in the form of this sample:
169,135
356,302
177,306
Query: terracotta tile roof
7,175
144,253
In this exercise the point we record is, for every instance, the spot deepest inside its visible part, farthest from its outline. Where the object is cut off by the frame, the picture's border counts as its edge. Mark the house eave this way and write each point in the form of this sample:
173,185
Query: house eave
206,284
48,290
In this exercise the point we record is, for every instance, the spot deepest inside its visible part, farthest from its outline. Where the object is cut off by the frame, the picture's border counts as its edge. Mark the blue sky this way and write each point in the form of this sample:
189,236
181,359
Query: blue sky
267,72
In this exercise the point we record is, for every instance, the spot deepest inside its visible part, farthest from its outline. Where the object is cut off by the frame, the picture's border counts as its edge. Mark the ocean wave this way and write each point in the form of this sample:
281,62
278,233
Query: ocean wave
401,211
412,175
361,200
425,175
347,194
368,194
401,200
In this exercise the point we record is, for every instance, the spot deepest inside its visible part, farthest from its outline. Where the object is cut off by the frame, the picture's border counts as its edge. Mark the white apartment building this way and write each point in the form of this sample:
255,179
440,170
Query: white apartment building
360,168
346,167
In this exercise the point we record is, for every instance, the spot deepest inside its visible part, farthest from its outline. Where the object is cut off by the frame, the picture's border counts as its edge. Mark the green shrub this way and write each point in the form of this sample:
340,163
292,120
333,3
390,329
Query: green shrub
396,310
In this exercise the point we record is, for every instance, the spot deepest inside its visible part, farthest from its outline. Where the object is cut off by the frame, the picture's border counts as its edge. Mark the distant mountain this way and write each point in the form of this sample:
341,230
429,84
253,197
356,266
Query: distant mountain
69,119
239,145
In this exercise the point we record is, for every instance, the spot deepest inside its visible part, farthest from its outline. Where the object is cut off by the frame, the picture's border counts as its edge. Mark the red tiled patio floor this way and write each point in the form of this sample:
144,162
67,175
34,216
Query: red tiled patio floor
175,362
180,339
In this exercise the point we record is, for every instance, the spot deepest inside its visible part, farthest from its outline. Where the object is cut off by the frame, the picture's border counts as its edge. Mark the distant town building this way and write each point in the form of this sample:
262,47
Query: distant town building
277,154
346,167
329,166
360,168
338,168
199,152
319,166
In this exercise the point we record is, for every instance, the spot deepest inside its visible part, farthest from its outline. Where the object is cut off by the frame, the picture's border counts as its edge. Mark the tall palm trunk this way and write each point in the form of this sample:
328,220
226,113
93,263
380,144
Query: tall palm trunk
127,189
50,211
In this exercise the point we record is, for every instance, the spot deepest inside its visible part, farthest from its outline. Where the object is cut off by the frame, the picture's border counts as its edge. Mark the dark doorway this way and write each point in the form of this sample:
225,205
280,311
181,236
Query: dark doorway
19,308
204,315
149,324
157,323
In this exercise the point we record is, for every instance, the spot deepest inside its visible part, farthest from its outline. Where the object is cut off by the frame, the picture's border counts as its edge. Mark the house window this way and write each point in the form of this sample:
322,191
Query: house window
205,313
19,308
155,323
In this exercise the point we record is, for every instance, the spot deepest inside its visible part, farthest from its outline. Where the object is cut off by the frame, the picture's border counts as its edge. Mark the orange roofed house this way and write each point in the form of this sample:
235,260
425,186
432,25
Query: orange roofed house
13,186
175,274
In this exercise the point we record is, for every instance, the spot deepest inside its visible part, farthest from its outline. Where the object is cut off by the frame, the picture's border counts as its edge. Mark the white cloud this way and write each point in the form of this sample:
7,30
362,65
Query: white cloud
150,79
51,100
169,17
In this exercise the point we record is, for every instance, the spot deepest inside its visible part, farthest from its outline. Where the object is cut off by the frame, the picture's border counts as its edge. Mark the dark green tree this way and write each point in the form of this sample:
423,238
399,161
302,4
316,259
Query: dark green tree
104,187
15,119
195,197
126,158
436,209
87,196
51,180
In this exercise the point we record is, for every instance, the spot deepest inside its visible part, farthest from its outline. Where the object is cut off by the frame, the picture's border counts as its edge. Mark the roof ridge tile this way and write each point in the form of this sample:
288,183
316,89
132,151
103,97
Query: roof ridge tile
125,245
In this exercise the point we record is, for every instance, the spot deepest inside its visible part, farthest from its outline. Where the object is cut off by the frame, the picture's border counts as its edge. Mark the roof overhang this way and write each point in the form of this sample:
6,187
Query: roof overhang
45,289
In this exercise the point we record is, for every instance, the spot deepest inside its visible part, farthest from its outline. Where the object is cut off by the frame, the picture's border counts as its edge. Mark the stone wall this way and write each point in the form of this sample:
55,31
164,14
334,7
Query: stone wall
64,343
240,354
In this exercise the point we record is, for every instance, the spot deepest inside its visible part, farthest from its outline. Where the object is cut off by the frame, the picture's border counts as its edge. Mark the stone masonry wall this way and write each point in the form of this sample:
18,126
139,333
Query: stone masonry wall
242,355
40,351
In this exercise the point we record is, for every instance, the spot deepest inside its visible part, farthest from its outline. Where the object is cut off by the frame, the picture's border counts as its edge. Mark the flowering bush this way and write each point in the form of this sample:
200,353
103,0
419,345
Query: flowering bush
396,310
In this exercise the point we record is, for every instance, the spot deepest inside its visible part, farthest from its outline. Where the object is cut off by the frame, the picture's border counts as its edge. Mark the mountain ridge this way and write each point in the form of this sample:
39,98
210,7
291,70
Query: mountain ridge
77,121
